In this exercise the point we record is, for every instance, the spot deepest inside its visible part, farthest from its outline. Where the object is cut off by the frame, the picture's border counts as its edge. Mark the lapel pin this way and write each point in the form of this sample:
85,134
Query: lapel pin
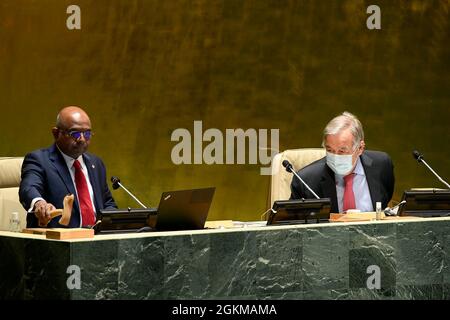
93,167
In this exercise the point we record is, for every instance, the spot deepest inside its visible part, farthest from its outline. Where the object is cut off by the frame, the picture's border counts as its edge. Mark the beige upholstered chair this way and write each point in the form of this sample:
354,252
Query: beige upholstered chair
280,186
10,168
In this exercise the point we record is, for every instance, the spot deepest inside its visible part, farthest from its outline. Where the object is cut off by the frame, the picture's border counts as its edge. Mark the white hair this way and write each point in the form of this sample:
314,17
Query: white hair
342,122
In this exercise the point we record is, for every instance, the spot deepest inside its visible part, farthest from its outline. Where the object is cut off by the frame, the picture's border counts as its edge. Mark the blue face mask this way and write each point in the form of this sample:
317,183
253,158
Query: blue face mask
340,164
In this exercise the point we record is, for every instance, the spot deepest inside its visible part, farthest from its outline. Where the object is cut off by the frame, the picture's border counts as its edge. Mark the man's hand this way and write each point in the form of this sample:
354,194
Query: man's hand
42,211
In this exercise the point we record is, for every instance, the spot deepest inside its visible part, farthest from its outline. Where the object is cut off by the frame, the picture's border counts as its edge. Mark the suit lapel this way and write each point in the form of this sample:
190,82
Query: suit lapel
93,179
60,166
328,186
372,181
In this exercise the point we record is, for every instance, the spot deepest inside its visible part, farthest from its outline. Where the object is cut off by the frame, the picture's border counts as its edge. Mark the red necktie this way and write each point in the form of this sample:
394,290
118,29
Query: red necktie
87,211
349,196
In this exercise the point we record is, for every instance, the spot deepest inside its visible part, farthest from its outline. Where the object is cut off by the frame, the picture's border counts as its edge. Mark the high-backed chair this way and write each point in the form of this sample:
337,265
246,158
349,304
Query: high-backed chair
10,168
280,186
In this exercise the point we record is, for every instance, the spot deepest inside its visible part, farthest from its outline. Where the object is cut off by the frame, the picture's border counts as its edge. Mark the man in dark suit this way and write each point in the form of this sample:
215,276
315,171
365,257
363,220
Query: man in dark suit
350,176
48,175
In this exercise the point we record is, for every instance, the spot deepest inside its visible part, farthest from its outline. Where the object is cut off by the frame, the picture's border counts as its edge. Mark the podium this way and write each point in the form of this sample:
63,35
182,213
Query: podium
309,261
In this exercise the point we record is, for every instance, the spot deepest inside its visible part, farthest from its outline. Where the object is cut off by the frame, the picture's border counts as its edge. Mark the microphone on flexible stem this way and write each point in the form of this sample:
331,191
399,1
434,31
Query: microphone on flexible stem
420,159
289,168
116,184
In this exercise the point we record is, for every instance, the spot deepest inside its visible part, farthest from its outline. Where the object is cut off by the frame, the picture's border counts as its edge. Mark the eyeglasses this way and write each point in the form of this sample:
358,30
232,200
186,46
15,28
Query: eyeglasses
344,151
76,135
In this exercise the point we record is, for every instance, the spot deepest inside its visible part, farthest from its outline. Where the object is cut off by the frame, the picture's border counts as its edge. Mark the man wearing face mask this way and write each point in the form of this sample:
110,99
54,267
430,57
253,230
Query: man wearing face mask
49,174
352,177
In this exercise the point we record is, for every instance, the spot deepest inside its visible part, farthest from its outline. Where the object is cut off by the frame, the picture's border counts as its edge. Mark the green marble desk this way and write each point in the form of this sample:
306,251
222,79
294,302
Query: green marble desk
314,261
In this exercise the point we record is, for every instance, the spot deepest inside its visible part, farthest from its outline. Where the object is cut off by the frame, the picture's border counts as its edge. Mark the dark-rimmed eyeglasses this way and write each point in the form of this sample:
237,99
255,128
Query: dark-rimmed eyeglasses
76,135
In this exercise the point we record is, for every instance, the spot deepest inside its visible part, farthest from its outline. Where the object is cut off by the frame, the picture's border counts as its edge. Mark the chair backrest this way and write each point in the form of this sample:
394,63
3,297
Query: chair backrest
10,168
280,186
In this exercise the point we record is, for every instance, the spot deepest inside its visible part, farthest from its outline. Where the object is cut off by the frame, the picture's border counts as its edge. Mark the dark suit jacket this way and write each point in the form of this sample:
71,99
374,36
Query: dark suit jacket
320,178
45,174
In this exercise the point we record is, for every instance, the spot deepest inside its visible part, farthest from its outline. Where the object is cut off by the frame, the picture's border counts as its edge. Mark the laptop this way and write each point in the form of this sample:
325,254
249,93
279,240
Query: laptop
177,210
183,209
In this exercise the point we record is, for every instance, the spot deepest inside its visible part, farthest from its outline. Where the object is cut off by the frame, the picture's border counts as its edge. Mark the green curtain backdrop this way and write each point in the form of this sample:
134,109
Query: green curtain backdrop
143,68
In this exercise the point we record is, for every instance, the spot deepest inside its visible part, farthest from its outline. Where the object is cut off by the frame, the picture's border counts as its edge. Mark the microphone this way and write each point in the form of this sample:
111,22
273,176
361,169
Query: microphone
289,168
419,157
116,184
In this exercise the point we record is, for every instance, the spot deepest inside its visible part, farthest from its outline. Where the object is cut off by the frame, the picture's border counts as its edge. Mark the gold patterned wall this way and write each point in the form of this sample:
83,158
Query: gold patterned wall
143,68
